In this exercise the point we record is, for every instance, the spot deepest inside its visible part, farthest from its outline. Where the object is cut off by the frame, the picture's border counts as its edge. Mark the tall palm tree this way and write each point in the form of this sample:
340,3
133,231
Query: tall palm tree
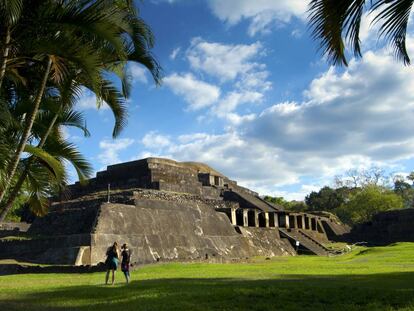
10,11
76,36
47,130
56,111
336,22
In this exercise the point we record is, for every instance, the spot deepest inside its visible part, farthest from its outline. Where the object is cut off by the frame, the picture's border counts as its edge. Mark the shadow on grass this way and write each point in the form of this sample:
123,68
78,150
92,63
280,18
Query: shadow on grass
392,291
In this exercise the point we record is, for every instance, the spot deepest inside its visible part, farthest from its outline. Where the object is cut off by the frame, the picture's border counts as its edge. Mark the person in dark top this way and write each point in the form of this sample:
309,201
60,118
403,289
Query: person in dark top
112,259
126,260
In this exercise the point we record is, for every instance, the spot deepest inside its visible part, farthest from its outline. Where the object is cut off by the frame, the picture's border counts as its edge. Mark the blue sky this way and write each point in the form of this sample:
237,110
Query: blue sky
246,91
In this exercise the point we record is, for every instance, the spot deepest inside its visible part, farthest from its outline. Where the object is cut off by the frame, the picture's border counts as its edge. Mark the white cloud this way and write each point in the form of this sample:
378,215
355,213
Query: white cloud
88,101
196,93
174,53
297,33
262,14
364,114
234,156
111,149
188,138
153,140
297,195
138,73
355,118
65,132
226,106
229,62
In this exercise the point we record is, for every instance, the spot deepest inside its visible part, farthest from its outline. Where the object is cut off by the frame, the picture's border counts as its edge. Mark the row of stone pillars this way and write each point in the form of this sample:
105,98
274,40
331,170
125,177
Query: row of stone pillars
302,221
256,218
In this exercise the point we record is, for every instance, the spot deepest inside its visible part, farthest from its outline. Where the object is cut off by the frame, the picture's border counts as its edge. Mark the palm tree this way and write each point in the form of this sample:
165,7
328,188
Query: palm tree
50,140
56,112
76,36
10,11
335,22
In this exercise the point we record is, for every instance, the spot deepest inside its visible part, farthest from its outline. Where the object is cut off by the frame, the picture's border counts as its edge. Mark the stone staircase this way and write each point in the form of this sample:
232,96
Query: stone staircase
305,240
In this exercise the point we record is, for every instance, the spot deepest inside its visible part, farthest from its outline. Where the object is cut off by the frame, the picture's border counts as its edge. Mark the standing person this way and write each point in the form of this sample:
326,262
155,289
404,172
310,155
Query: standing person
126,259
112,259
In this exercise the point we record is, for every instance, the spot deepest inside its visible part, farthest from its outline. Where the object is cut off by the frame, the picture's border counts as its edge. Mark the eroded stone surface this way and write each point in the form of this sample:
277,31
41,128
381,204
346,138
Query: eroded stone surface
165,210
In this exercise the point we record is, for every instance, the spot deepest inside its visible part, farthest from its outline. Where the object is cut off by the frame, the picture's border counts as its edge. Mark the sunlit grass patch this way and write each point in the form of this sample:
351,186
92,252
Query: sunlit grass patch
380,278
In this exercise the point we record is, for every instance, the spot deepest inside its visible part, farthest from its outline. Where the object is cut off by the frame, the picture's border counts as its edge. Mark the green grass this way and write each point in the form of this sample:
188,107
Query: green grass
367,279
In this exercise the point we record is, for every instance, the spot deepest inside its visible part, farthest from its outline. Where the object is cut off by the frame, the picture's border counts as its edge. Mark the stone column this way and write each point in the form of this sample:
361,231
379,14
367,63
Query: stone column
287,221
245,218
303,222
256,218
310,223
276,216
267,219
233,216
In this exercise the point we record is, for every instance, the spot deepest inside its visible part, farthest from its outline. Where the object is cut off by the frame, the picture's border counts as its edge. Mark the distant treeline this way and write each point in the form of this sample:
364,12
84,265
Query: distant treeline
357,196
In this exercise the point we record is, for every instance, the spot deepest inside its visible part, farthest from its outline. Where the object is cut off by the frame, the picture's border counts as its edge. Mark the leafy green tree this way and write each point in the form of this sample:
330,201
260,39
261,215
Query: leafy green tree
405,191
411,178
275,200
335,22
367,202
326,199
296,206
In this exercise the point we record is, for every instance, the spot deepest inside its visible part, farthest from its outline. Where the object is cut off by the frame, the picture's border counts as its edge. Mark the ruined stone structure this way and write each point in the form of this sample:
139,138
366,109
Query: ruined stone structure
167,210
384,228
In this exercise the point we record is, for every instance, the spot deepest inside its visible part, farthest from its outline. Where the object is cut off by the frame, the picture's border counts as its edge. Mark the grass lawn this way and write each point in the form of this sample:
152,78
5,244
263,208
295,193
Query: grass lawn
379,278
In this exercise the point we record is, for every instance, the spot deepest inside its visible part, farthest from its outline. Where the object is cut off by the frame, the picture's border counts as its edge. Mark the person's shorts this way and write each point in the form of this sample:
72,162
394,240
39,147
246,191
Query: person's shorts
125,267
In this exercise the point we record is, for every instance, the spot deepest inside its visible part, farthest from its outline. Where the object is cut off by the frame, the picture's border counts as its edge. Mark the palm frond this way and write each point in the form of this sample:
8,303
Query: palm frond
39,203
109,94
66,151
394,18
53,165
353,24
327,18
73,119
10,11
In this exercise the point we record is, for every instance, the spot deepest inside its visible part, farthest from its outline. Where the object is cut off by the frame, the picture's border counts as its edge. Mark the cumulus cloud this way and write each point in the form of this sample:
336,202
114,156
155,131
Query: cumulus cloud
262,14
236,65
154,140
354,118
232,155
229,62
198,94
365,111
174,53
298,195
111,149
232,101
138,73
88,101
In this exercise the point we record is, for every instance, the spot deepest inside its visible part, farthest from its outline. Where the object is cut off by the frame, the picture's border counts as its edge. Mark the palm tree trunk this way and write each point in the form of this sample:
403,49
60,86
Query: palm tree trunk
12,167
5,55
16,189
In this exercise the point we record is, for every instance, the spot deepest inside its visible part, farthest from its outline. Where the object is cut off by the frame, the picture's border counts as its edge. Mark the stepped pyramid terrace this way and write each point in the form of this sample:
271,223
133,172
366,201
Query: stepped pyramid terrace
167,210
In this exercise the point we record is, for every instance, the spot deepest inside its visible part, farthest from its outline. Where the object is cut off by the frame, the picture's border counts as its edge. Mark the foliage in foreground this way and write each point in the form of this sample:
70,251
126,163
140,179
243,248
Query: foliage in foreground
337,24
367,279
51,52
